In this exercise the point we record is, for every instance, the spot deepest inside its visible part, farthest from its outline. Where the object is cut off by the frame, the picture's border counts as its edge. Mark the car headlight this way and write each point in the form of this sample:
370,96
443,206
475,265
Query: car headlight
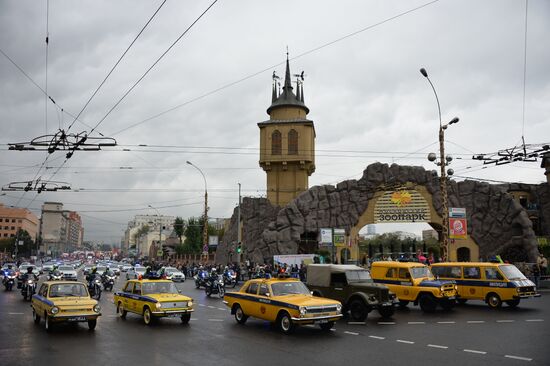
97,308
158,305
54,310
442,289
456,287
190,303
339,307
29,282
303,310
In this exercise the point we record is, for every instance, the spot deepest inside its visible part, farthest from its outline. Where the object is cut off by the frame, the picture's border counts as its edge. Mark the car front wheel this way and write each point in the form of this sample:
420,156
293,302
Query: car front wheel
147,316
35,317
327,326
120,311
358,310
92,324
386,311
285,323
512,303
185,318
427,303
494,301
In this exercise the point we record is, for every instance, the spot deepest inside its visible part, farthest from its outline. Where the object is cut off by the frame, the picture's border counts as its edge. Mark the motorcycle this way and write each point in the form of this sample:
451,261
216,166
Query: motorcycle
200,279
215,285
94,287
230,278
108,282
9,281
55,276
28,289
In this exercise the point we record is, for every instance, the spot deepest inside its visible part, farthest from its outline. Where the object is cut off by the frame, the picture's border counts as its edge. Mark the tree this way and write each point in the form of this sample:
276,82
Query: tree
144,229
24,250
179,227
193,234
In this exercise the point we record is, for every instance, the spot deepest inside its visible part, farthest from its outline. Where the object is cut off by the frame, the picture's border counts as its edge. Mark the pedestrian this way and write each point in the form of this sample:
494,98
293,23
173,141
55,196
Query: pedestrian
542,262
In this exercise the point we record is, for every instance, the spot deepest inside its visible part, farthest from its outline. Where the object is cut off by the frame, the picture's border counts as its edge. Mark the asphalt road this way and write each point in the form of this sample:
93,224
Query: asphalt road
471,334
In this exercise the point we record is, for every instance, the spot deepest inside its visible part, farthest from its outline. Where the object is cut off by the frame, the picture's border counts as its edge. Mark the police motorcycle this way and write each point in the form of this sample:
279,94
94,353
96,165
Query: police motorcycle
9,279
201,277
28,286
55,275
94,285
214,284
229,277
108,280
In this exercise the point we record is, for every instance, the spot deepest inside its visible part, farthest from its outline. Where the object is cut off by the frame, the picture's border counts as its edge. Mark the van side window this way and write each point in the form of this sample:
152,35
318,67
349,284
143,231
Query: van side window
43,290
472,272
391,273
263,290
492,274
404,274
447,271
338,278
137,288
252,288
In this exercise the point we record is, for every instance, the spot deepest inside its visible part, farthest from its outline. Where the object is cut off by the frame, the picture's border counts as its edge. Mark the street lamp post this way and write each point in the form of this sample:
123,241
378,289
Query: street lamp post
443,162
205,229
160,228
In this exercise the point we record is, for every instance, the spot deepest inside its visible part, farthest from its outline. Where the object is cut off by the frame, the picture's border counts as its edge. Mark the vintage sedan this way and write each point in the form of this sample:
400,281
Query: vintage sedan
153,299
286,302
64,301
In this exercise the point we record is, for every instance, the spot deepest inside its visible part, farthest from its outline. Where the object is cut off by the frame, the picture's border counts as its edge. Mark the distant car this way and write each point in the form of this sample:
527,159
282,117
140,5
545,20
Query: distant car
135,273
64,302
68,273
87,269
115,269
48,267
126,267
173,274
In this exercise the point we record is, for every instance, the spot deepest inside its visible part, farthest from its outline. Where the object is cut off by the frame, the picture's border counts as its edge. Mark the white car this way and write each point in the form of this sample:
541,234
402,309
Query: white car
126,268
135,273
68,273
173,274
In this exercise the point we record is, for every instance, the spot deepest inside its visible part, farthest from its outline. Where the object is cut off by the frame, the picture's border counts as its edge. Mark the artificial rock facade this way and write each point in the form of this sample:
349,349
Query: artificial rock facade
496,222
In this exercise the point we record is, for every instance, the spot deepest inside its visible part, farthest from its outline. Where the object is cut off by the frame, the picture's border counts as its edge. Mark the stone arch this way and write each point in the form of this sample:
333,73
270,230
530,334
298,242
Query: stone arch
494,218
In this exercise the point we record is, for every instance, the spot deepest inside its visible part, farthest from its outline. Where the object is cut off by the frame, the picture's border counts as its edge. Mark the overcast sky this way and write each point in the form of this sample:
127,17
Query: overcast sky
365,93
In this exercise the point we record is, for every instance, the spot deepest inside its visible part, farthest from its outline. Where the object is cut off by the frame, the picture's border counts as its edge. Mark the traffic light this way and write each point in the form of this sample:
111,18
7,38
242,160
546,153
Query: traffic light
239,248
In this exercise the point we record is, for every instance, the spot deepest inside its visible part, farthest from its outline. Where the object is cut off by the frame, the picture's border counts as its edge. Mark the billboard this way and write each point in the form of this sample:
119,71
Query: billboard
326,237
458,228
339,237
405,205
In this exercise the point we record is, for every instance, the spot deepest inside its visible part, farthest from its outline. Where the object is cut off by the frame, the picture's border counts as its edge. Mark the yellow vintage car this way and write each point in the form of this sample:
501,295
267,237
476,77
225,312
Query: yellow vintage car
64,301
286,302
153,299
413,281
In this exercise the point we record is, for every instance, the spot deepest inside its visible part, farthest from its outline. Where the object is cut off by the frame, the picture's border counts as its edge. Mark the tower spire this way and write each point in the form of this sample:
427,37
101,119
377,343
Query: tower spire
288,84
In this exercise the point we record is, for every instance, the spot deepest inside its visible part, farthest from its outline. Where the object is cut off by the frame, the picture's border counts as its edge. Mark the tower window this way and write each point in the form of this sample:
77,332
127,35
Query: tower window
276,143
293,142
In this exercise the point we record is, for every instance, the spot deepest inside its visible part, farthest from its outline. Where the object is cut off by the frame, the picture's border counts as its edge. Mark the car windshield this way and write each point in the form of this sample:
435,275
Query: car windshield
420,272
66,268
170,270
141,269
158,288
68,290
512,273
358,276
289,288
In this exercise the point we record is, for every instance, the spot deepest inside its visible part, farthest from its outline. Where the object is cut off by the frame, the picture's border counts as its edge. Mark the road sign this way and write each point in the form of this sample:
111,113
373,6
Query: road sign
458,212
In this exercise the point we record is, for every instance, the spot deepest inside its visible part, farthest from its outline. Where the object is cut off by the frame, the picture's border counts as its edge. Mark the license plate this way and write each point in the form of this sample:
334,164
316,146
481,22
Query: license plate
451,297
173,315
77,319
322,321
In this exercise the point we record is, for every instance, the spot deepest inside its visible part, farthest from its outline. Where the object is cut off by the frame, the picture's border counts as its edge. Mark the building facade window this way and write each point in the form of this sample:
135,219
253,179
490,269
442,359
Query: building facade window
293,142
276,143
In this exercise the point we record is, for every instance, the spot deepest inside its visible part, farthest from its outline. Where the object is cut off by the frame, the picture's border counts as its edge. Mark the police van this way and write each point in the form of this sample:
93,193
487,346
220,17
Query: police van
493,283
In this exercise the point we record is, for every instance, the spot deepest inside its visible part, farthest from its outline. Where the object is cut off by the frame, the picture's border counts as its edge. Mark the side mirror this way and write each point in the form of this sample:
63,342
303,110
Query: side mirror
267,294
311,292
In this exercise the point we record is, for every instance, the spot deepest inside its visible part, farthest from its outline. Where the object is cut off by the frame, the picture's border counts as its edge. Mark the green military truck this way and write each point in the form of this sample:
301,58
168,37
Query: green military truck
353,287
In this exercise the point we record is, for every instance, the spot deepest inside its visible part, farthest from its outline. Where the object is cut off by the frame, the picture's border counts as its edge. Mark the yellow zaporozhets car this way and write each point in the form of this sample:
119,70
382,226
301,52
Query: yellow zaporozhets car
153,299
287,302
64,301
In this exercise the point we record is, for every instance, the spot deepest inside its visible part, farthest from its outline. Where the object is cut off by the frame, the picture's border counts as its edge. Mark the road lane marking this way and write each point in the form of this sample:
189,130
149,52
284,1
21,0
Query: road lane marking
534,320
377,337
475,351
333,330
406,342
437,346
446,322
202,305
505,321
357,323
475,321
416,323
221,309
386,323
518,358
193,319
16,313
211,307
351,333
215,320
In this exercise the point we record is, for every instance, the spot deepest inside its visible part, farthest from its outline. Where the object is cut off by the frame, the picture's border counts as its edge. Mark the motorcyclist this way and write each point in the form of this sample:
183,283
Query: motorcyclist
106,273
29,275
55,272
90,277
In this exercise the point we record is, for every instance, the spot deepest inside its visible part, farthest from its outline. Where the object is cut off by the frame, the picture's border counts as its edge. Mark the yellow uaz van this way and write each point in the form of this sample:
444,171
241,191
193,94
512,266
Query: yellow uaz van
489,282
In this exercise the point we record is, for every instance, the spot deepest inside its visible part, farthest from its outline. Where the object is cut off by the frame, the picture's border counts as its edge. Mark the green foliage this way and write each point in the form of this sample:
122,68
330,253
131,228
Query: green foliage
193,234
179,227
24,250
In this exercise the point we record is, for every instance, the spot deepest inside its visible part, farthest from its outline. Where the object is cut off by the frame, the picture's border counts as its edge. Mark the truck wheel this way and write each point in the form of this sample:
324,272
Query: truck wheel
92,324
427,303
358,310
461,301
493,300
327,326
185,318
403,303
386,311
447,304
512,303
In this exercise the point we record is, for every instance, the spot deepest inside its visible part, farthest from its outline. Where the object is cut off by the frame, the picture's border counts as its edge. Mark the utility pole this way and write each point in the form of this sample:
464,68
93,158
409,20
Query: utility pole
239,226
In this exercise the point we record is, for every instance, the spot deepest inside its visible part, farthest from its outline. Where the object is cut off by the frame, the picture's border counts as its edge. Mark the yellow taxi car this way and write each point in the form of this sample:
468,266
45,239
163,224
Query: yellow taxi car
153,299
286,302
413,281
64,301
493,283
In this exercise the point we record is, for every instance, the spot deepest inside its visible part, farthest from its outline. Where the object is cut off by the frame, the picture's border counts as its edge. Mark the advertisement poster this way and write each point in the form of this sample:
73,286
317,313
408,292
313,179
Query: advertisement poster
458,228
